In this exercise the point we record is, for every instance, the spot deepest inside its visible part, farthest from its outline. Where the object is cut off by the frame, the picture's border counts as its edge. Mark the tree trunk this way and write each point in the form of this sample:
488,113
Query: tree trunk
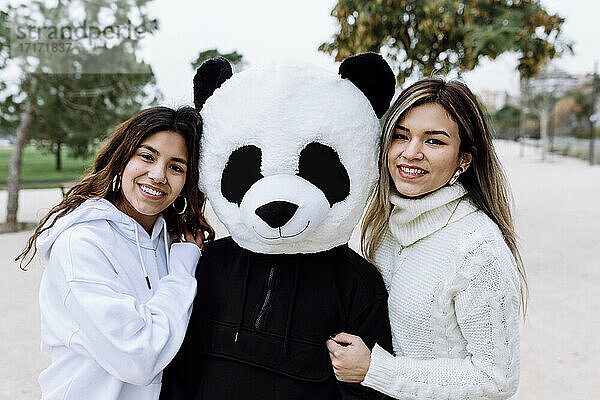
519,133
592,117
544,132
14,168
592,139
551,133
58,163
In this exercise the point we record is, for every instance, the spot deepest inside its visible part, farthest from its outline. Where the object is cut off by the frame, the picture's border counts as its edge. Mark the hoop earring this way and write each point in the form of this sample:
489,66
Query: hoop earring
116,183
455,176
184,207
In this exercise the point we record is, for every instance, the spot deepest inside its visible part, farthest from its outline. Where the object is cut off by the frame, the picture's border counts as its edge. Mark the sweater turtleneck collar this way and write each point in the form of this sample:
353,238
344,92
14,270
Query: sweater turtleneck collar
414,219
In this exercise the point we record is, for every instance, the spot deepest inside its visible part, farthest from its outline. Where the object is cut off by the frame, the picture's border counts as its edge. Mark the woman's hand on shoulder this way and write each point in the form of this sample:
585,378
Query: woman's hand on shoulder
189,238
350,357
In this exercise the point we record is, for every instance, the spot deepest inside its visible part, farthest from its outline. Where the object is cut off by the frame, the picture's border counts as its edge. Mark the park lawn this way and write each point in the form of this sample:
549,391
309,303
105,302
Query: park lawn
38,168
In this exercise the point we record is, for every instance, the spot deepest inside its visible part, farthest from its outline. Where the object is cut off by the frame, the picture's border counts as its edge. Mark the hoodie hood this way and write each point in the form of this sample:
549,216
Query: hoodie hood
102,209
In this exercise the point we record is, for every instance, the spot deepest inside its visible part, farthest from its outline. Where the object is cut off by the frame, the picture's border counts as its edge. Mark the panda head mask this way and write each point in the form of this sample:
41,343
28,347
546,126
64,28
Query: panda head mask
289,153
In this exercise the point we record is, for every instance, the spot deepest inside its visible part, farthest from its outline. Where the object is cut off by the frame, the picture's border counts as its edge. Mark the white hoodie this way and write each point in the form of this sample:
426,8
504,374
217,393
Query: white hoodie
115,304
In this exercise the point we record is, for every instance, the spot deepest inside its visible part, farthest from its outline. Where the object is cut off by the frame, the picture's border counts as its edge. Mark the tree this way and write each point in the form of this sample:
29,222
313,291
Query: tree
89,105
6,123
565,116
235,58
508,119
425,37
540,94
531,126
74,94
585,98
573,110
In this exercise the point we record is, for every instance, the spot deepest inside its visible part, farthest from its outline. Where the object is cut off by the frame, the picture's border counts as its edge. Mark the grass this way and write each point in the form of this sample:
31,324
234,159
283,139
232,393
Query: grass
38,168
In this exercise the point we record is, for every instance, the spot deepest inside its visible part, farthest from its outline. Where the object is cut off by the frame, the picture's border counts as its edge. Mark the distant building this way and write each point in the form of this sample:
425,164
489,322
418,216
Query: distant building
551,82
493,100
583,79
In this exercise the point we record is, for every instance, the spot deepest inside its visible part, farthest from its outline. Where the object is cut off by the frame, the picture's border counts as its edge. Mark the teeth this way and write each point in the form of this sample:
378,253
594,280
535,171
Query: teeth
151,191
412,171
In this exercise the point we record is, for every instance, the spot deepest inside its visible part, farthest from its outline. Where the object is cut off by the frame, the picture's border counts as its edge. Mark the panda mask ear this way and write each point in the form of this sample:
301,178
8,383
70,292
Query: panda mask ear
209,77
373,76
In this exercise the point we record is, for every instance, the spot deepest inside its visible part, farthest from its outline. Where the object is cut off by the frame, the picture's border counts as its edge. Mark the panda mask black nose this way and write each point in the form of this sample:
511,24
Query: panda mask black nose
289,152
277,213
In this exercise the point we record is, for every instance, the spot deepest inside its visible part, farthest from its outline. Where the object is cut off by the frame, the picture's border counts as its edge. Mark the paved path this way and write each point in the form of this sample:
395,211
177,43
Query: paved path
558,220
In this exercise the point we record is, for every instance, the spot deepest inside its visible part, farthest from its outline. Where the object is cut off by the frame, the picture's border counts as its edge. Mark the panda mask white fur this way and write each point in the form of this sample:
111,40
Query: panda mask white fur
289,153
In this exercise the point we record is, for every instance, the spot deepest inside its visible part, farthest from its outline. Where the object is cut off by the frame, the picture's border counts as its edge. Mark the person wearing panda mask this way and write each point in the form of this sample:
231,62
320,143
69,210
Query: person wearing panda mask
440,230
288,160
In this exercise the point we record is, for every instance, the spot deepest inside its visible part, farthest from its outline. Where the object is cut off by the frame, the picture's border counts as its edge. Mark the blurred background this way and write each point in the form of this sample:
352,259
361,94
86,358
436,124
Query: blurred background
71,70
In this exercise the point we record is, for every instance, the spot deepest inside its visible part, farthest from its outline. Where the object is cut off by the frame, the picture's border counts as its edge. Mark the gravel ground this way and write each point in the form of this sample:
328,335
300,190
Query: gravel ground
558,220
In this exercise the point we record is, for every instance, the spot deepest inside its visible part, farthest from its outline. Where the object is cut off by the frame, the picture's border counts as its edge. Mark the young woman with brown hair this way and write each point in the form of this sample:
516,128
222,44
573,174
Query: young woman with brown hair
116,294
440,230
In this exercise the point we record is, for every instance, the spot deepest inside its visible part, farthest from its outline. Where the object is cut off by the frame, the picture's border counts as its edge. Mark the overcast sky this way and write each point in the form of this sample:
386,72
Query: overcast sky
269,30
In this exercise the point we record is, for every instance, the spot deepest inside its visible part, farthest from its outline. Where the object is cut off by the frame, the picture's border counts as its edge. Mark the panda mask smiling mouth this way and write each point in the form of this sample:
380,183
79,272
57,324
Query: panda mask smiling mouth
283,207
281,236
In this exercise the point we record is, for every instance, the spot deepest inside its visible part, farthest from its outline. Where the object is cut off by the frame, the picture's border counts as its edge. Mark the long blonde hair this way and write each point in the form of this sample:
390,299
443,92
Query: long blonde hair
485,181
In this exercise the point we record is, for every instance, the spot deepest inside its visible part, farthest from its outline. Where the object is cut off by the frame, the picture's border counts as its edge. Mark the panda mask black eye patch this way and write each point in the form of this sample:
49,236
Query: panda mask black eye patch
240,173
320,165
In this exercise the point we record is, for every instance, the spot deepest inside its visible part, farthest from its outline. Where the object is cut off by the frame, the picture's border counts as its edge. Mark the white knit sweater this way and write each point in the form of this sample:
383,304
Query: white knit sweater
453,303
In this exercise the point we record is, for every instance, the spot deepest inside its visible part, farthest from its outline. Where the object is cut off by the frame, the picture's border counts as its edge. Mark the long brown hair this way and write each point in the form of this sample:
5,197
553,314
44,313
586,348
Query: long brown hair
111,161
485,181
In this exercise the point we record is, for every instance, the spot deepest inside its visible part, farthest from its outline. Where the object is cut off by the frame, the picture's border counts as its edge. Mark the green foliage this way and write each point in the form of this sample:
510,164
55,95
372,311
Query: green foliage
82,95
4,38
77,109
5,122
509,114
507,119
425,37
38,168
583,98
236,59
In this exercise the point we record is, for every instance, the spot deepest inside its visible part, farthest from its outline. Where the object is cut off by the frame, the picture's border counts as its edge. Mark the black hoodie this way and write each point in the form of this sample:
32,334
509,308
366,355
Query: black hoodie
260,322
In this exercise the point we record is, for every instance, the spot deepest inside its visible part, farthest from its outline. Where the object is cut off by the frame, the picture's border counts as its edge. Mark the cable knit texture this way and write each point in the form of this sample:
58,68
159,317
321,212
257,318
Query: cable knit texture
453,302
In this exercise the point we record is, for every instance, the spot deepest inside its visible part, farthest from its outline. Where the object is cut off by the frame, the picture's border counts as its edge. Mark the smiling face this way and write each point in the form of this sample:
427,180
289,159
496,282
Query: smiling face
425,151
153,177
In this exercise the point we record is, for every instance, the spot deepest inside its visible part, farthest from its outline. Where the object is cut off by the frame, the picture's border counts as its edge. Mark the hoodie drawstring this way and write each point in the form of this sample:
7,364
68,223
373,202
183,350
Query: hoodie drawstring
137,242
241,313
286,339
166,238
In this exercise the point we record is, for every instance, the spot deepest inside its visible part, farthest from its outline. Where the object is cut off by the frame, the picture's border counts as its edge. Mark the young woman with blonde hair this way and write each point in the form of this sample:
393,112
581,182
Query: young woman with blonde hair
116,295
440,230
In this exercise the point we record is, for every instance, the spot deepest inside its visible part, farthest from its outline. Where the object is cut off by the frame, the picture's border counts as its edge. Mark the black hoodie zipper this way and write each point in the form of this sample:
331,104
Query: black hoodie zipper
258,323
